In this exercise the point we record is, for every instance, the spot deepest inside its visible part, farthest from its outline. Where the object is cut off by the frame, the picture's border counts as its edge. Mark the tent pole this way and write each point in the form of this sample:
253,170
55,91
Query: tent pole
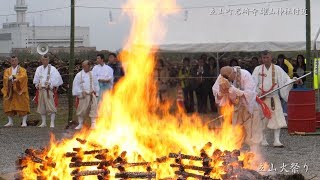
308,43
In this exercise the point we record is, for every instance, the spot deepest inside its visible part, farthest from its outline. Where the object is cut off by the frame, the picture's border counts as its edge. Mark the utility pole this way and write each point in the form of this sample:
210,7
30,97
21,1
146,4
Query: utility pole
308,44
71,62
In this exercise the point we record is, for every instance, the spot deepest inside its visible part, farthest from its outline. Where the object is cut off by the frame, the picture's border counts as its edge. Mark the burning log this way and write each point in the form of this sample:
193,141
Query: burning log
91,172
119,160
140,175
91,163
76,149
76,158
82,141
186,175
192,167
73,154
183,156
101,157
162,159
32,154
132,164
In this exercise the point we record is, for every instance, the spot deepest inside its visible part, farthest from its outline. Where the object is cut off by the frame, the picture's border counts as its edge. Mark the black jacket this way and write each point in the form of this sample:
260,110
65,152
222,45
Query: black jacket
118,71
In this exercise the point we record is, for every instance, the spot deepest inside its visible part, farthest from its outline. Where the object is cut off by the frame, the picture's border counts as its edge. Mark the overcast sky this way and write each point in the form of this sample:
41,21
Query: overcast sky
187,26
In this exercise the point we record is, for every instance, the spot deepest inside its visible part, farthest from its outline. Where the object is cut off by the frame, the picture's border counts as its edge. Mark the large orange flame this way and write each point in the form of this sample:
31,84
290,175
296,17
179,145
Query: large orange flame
130,117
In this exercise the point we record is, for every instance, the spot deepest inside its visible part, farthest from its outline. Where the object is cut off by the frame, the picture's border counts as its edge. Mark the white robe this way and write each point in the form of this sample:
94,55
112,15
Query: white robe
87,104
46,98
104,72
40,77
248,113
281,78
84,85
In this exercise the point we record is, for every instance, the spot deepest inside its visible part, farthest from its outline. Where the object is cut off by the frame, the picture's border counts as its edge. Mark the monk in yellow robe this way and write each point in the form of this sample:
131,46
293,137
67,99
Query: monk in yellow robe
15,92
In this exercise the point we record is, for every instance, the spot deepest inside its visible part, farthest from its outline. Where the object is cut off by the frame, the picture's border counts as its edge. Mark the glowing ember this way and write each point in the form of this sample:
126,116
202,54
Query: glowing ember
133,128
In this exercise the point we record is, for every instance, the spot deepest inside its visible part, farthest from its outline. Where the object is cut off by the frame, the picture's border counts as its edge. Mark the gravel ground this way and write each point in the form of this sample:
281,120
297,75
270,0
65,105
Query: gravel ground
304,150
298,149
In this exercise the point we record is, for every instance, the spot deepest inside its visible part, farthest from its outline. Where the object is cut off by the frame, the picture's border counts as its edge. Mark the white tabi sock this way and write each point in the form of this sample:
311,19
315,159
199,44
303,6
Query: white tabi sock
44,119
24,121
80,120
10,122
277,138
53,117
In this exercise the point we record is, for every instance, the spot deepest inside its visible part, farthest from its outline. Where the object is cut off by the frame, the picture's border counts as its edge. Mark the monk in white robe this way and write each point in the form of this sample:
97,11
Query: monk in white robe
15,93
104,74
47,80
86,89
268,77
237,86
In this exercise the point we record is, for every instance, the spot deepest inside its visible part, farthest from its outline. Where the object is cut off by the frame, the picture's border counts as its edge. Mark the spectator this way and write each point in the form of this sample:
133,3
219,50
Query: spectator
233,62
204,57
116,65
213,74
185,75
285,65
300,69
254,63
162,77
202,72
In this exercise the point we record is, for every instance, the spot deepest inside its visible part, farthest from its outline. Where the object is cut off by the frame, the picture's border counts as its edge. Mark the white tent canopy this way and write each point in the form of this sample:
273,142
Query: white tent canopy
235,47
197,30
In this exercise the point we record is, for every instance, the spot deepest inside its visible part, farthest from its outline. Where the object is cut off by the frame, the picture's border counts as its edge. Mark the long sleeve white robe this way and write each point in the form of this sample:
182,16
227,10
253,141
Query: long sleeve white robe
84,85
281,78
248,86
104,72
87,104
40,77
248,112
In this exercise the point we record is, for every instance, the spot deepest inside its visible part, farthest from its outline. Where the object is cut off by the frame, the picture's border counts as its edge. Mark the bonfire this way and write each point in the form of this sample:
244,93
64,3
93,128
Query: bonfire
136,137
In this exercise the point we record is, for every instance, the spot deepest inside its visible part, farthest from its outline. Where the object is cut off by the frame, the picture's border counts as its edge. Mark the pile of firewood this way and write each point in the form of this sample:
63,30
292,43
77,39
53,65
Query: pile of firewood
225,164
103,164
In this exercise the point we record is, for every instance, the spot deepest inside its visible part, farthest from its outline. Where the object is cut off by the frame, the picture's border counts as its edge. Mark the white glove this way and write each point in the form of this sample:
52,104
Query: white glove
10,77
235,91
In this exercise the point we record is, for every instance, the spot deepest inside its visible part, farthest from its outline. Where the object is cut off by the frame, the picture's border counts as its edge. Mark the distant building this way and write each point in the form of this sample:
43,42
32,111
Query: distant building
19,35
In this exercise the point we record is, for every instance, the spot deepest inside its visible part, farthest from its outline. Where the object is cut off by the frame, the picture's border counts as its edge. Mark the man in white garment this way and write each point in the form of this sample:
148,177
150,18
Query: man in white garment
104,74
86,89
268,77
235,85
47,80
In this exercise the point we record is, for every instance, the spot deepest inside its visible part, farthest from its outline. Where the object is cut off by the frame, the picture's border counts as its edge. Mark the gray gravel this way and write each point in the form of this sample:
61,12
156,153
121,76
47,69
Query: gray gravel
298,149
14,141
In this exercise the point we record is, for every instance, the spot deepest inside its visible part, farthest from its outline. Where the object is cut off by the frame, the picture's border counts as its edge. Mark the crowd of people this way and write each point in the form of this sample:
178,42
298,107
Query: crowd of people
88,87
196,77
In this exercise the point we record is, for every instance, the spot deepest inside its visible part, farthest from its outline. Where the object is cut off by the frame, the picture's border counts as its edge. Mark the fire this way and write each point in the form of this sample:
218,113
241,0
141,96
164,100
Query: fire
132,124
